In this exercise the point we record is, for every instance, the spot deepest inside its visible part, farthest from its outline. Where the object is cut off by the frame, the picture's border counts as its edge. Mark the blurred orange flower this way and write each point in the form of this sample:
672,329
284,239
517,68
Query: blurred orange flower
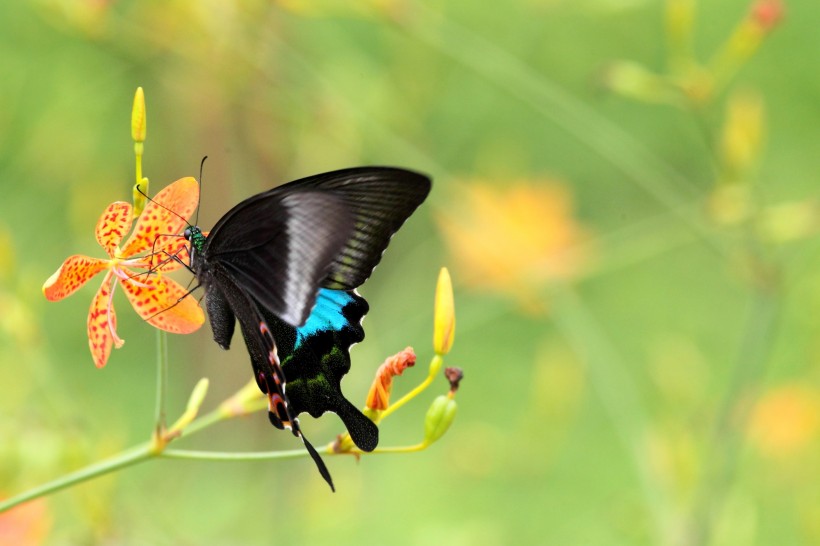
154,298
26,525
785,420
513,239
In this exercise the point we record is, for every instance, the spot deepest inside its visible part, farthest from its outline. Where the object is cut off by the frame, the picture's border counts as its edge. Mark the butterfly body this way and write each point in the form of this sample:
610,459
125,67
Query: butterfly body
285,264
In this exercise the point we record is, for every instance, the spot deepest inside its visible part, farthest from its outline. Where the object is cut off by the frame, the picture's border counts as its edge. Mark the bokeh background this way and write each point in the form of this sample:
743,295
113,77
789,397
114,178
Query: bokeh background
625,194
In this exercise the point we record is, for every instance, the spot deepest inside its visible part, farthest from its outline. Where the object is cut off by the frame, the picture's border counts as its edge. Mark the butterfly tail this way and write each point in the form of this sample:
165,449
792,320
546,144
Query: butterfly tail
271,378
320,464
278,406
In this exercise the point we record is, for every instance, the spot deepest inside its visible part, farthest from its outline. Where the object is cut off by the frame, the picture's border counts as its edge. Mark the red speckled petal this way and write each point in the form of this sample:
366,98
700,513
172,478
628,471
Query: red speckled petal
114,225
102,324
165,214
75,272
155,299
165,248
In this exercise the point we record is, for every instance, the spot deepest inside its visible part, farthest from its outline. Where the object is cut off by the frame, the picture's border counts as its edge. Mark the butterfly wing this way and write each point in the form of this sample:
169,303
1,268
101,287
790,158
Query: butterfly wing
278,247
273,251
316,356
380,200
260,343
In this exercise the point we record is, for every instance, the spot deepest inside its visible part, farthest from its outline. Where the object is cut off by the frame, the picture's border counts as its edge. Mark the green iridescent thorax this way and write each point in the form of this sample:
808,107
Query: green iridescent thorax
197,239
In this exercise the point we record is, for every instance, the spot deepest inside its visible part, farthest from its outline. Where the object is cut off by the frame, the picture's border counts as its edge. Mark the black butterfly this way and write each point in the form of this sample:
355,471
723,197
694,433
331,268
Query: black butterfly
285,263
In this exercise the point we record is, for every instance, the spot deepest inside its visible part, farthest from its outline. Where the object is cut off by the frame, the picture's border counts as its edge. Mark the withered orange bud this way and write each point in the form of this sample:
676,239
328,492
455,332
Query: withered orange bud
454,376
379,396
767,13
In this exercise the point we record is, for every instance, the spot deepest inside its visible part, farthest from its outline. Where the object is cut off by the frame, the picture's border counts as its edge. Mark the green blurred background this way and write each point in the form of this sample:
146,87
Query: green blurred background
627,206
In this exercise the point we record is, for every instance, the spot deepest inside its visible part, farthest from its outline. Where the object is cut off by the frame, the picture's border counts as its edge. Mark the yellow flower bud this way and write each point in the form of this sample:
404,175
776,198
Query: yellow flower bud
138,122
634,81
439,418
680,17
192,409
742,133
197,395
789,221
444,316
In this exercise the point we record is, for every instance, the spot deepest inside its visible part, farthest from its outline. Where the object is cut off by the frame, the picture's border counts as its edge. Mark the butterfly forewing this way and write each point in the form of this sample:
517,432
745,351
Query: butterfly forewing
280,248
380,199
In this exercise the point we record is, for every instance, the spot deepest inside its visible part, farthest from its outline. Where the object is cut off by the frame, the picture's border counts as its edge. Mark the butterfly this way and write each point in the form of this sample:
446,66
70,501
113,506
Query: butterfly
285,264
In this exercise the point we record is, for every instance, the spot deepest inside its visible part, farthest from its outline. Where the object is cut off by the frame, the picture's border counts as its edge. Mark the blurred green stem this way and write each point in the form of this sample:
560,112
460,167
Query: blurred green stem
617,392
232,456
726,437
502,68
133,456
143,452
162,382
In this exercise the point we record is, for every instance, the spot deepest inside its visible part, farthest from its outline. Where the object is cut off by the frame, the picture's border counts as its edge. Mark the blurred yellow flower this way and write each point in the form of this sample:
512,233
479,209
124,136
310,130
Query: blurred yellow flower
742,133
513,239
785,420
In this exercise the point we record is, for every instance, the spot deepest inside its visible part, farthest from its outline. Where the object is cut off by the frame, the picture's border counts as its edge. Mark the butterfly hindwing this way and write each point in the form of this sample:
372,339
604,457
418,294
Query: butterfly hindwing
268,373
316,356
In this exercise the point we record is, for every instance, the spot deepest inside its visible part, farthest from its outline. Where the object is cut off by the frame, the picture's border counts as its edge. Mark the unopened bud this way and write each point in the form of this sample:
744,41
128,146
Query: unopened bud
767,13
634,81
138,119
444,315
742,133
439,418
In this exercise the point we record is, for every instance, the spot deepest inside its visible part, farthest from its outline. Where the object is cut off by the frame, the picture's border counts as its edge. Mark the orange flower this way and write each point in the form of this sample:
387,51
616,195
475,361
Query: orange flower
155,298
786,420
515,238
26,525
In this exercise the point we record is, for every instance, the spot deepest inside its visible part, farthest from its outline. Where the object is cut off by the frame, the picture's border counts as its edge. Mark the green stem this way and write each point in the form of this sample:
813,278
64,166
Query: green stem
232,456
726,437
612,382
650,173
162,382
133,456
138,147
137,454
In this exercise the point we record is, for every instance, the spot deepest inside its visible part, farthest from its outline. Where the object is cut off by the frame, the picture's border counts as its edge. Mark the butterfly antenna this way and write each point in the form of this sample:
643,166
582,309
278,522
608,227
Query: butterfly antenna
157,203
199,197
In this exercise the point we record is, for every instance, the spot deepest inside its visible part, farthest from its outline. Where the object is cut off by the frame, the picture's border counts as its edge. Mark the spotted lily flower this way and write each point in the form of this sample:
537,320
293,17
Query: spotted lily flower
155,297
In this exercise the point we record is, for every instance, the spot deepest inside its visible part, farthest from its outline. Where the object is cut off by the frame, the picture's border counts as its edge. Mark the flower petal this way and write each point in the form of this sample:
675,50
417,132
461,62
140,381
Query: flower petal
157,300
102,323
165,214
168,247
170,252
113,225
74,273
